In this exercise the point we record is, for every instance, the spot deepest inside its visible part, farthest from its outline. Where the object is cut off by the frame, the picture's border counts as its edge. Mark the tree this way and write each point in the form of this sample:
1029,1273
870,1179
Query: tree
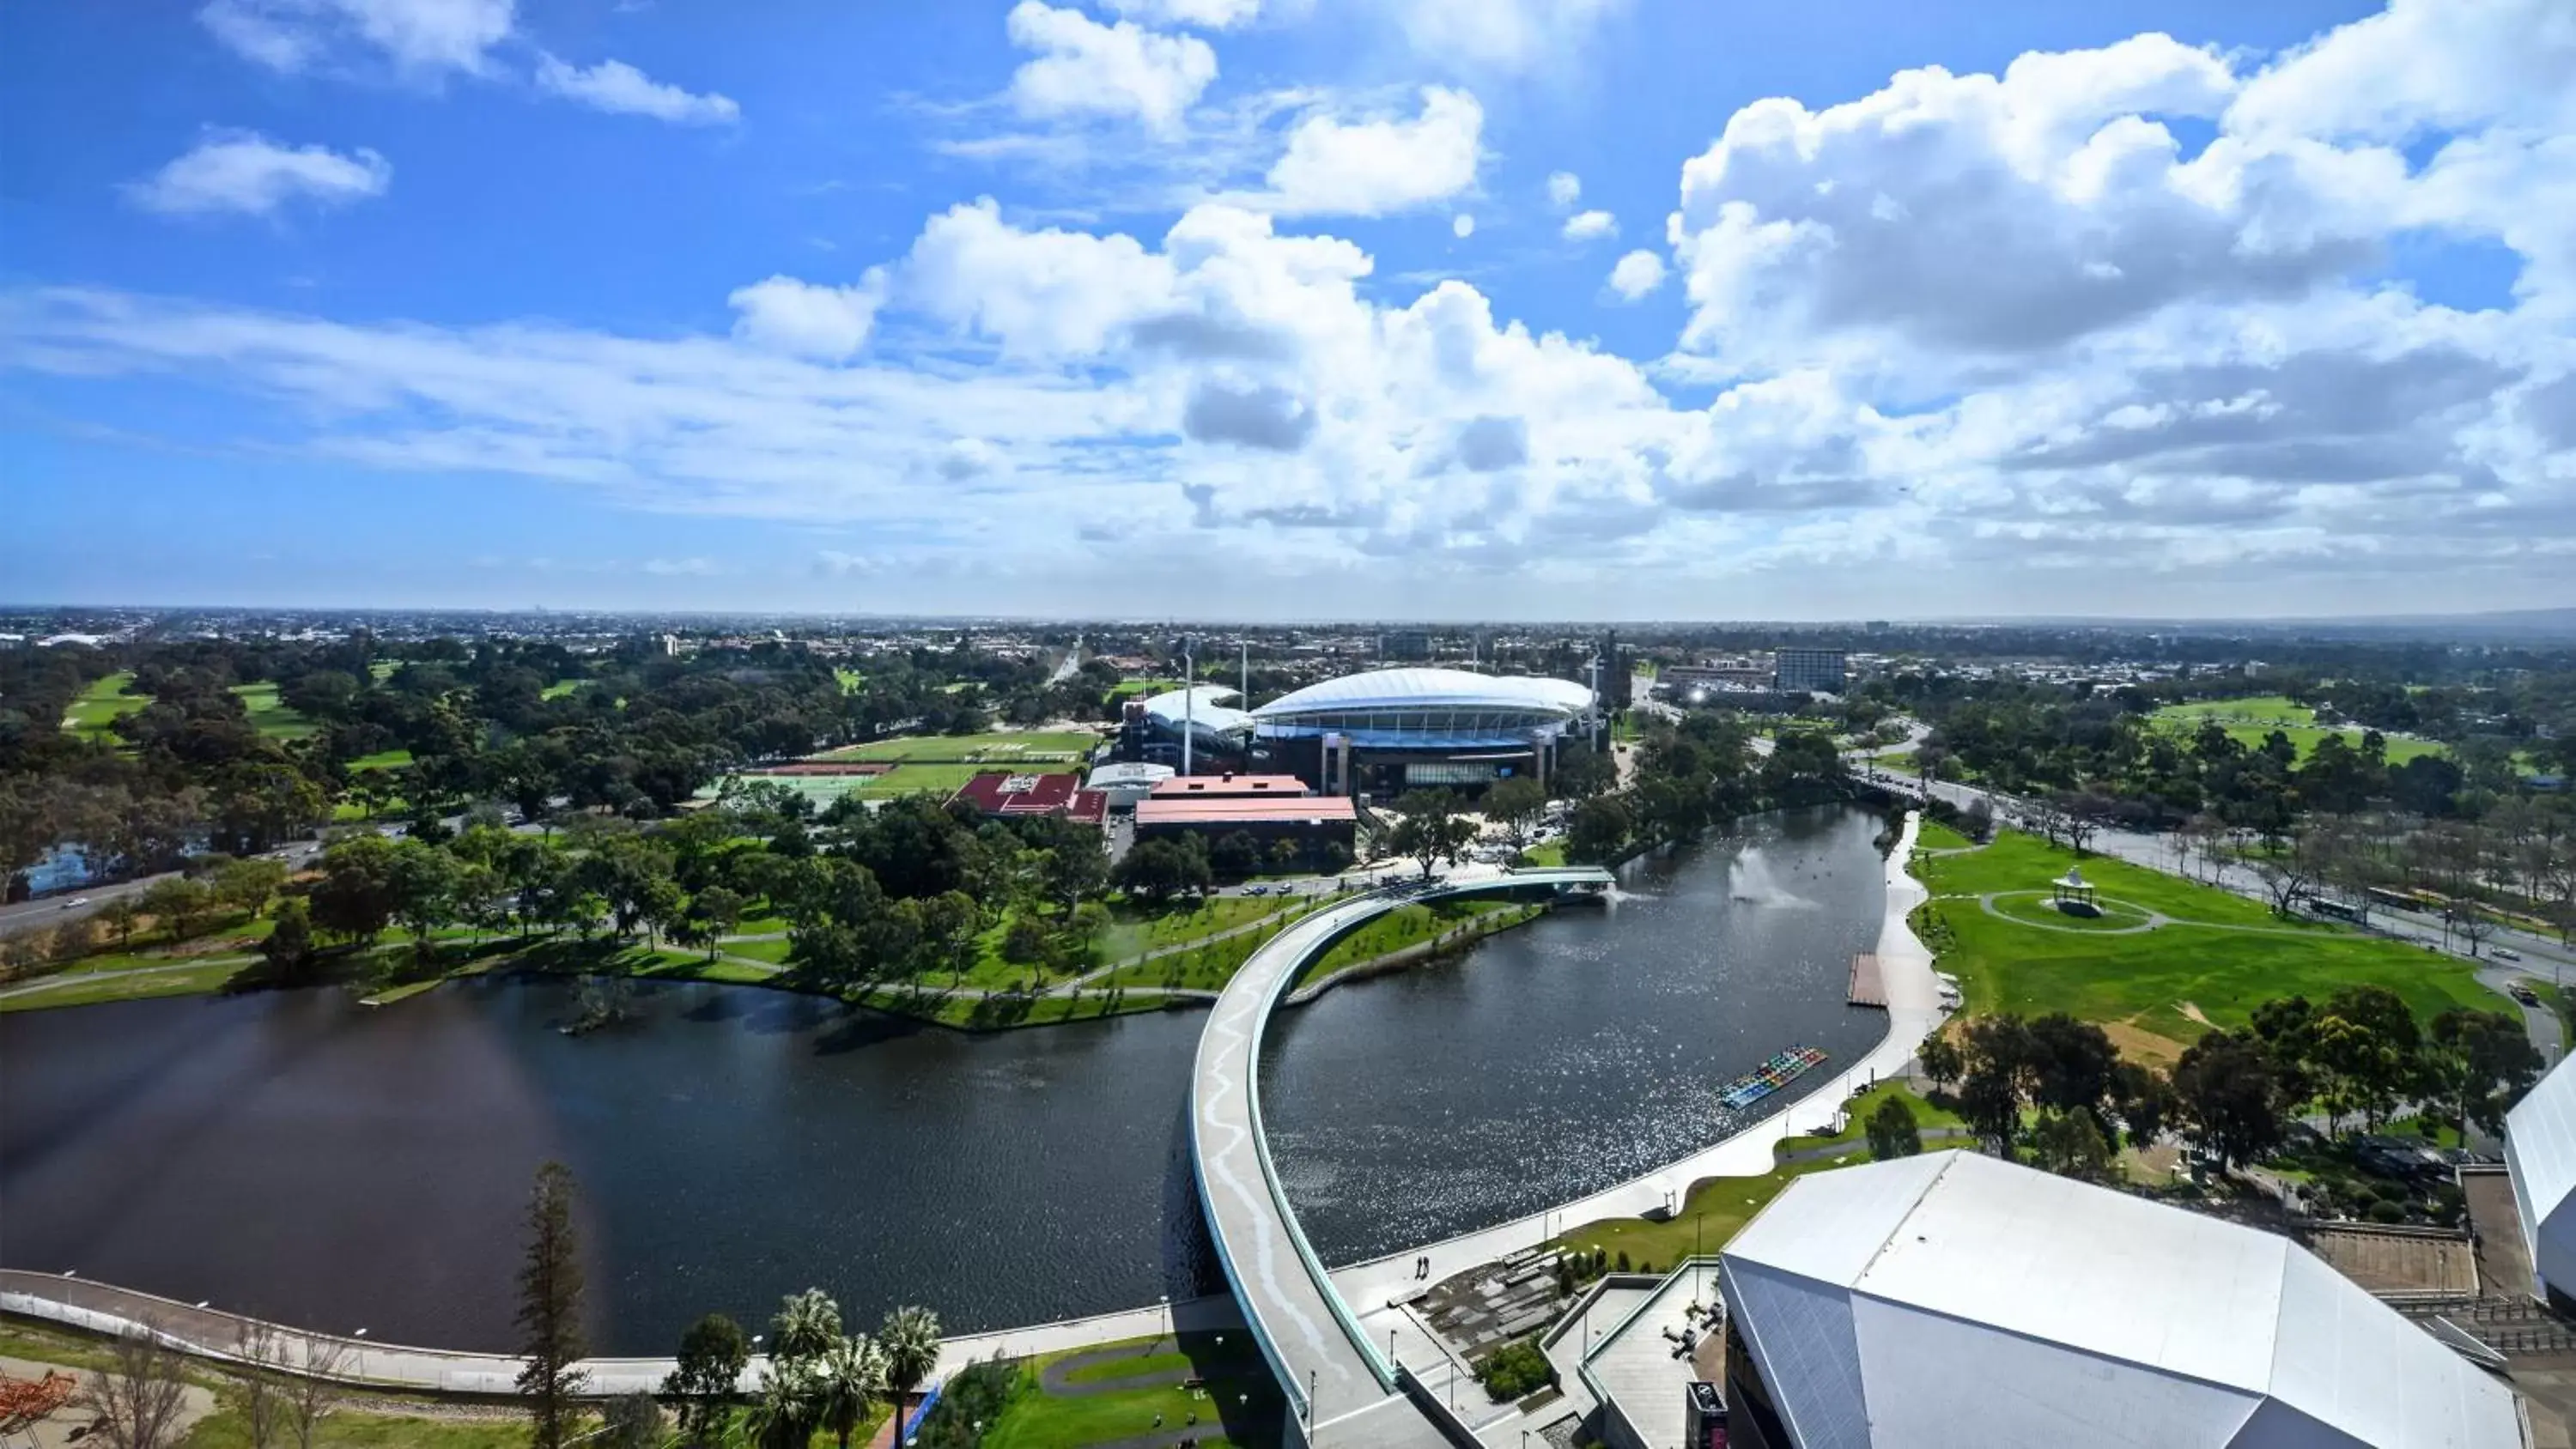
848,1378
1156,871
2143,1100
783,1417
2069,1144
721,910
2070,1062
806,1325
259,1394
1514,804
1235,855
312,1385
2365,1048
713,1354
247,885
2480,1062
909,1338
1940,1059
2229,1102
549,1316
1892,1131
1429,828
118,916
136,1399
423,879
289,944
633,1421
355,898
2000,1058
180,905
1979,819
1598,830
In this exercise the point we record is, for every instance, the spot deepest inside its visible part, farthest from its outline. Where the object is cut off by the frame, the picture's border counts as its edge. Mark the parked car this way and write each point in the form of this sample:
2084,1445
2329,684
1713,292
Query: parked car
75,903
2505,953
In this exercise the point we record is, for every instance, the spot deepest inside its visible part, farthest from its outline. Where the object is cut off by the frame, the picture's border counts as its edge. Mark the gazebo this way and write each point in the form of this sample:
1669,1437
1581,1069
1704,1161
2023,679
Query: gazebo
2073,894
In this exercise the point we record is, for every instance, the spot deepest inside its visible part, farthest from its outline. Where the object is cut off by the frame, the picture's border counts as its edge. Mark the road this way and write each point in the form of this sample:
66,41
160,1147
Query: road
52,911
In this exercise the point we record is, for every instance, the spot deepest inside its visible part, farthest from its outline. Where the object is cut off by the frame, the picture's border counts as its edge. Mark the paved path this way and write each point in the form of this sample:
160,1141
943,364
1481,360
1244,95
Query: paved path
212,1332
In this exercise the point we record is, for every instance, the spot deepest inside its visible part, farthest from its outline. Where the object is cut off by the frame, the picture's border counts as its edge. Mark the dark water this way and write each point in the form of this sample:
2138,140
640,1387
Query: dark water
298,1157
1578,1051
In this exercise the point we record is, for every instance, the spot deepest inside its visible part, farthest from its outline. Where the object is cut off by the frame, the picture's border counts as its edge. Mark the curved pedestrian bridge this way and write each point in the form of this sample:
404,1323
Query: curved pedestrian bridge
1341,1389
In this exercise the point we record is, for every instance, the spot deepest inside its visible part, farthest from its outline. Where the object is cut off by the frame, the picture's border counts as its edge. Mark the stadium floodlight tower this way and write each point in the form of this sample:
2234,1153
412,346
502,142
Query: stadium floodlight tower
1189,700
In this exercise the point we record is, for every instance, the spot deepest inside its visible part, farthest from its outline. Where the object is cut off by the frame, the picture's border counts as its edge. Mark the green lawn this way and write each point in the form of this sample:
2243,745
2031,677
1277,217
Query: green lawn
393,759
271,717
1933,835
1716,1208
88,988
1237,1404
1407,925
2146,986
560,688
1549,855
999,748
2252,720
100,705
1136,929
850,680
1126,687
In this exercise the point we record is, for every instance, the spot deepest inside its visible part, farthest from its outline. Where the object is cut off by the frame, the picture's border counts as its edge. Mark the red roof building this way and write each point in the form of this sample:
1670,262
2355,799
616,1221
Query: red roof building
1003,796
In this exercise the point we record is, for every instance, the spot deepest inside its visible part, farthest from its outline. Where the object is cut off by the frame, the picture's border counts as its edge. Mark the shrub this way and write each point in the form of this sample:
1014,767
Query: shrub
1514,1370
2384,1211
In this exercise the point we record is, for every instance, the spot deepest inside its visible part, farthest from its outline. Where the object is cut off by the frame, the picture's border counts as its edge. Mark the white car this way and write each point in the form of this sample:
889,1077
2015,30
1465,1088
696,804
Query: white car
2505,953
75,903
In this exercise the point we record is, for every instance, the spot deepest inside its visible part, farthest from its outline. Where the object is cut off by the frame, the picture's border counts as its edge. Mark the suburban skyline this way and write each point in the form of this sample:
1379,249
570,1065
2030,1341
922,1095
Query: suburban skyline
1293,309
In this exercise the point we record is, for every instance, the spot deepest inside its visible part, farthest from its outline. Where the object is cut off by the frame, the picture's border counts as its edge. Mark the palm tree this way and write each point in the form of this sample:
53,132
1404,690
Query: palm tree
807,1326
846,1381
909,1341
784,1414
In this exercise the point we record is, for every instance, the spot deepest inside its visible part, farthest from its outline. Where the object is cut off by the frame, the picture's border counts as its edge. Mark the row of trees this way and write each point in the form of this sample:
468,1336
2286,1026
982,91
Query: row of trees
2061,1086
1697,772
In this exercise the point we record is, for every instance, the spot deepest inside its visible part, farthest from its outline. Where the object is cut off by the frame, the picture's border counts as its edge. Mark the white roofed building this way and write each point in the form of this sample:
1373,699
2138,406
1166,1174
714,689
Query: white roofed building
2540,1152
1388,730
1955,1299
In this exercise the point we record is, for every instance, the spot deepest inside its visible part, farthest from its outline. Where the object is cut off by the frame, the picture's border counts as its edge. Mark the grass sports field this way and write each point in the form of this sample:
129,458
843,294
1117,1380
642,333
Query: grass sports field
2171,958
908,778
269,716
2250,721
1002,747
98,706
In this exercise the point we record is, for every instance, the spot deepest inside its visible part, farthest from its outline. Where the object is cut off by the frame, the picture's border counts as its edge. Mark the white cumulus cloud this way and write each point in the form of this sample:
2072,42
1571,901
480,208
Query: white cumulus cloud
1086,68
243,171
1462,226
1564,188
784,314
422,37
1204,14
615,86
1379,164
1588,225
1499,34
1636,274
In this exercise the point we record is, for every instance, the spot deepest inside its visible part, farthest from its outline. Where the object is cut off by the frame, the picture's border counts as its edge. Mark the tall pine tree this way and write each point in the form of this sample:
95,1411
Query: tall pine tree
550,1311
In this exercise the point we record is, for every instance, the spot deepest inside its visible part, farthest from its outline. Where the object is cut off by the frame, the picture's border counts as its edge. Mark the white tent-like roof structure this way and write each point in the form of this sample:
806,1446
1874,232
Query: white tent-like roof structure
2540,1152
1431,688
1202,706
1953,1299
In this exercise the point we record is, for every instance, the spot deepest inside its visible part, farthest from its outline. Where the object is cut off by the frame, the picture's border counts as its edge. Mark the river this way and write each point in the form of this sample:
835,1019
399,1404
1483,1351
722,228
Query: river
298,1157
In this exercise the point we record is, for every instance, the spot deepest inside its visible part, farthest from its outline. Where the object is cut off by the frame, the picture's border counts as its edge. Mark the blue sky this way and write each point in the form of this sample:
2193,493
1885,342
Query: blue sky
1291,308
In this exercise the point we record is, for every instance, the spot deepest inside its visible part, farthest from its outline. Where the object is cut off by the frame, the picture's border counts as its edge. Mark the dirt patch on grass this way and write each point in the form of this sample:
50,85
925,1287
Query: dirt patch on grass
2139,1044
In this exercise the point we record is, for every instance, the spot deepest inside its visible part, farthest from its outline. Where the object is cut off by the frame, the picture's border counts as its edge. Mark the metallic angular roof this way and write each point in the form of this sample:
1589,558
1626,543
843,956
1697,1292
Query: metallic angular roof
1410,688
1895,1302
2540,1150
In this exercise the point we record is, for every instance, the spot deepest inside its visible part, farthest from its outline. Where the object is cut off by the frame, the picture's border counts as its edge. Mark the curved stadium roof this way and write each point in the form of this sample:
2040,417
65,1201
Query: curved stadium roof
1203,706
1430,688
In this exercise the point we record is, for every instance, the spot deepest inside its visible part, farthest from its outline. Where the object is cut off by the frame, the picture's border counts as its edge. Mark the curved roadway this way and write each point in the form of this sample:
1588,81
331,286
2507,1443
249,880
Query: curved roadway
1339,1387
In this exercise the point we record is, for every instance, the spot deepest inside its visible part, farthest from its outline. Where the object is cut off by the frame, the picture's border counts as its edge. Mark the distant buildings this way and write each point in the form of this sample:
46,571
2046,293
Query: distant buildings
1954,1299
1125,783
1808,671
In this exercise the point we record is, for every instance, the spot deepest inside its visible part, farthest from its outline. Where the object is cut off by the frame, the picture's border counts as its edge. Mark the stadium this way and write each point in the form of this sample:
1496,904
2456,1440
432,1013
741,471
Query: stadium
1390,730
